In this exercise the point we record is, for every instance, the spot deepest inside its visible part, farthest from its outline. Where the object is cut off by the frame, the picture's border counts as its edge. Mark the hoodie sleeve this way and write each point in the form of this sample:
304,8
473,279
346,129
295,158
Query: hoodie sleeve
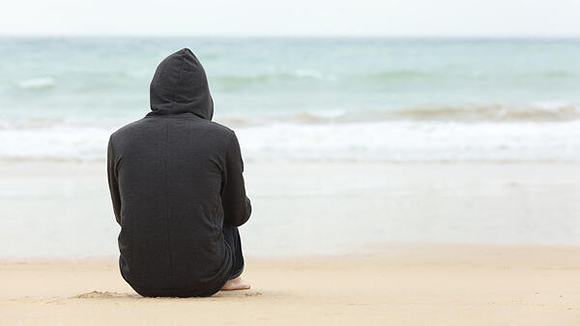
113,183
237,206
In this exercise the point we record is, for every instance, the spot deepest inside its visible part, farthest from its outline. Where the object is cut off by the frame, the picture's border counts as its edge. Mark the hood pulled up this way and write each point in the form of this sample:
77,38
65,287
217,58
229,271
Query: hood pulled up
180,85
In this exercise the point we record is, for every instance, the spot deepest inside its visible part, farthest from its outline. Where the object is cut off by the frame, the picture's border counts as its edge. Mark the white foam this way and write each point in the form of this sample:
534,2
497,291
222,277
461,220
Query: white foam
405,141
60,142
37,83
399,141
309,73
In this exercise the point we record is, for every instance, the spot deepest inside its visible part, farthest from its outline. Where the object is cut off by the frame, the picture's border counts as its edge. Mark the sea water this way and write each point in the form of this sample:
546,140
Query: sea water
318,99
316,108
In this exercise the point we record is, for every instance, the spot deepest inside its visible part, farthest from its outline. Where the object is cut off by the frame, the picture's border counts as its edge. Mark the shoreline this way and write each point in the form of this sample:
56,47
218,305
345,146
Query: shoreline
410,284
63,209
369,250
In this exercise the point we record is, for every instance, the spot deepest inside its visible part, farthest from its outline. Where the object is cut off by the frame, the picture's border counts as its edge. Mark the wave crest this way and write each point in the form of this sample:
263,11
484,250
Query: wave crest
541,112
37,83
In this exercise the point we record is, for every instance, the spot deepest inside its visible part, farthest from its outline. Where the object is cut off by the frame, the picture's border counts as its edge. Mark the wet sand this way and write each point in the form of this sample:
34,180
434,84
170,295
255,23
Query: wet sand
63,209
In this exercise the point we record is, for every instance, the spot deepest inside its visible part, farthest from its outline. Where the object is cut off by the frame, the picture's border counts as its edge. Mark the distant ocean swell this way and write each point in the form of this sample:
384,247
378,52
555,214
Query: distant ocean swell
537,112
301,75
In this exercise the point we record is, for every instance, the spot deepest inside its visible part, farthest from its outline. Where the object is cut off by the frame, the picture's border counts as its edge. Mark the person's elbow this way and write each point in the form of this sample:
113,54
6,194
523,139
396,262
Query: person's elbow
241,216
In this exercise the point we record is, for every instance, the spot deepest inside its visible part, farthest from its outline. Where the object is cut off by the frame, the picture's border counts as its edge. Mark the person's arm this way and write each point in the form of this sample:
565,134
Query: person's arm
237,206
113,183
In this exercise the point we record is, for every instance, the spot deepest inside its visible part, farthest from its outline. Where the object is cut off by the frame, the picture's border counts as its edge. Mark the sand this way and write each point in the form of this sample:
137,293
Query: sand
324,218
402,284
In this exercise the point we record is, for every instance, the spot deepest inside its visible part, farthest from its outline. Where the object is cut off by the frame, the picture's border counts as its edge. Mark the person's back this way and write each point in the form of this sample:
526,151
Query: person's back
176,180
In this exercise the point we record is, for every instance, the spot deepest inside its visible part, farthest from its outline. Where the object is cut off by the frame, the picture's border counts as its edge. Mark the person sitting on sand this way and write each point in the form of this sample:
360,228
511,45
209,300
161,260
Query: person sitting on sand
178,191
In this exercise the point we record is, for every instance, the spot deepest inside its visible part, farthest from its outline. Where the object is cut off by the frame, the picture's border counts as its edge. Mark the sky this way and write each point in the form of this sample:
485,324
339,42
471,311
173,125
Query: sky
392,18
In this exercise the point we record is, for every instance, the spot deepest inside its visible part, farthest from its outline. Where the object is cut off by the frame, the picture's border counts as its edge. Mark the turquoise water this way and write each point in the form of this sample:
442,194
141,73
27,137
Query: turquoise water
52,88
316,101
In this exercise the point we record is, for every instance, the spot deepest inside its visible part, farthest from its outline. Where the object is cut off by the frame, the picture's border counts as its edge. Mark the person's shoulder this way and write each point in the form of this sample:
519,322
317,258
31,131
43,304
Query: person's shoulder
128,128
221,134
225,131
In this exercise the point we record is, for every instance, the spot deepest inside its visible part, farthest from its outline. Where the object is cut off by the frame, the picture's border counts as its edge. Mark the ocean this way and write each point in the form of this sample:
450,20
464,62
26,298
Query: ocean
348,142
306,99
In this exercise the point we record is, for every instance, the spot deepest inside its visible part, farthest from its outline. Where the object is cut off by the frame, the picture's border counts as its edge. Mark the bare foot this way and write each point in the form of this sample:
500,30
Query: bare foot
236,284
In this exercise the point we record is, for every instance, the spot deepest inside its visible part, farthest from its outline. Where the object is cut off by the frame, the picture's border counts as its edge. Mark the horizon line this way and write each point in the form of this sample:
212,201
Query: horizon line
290,36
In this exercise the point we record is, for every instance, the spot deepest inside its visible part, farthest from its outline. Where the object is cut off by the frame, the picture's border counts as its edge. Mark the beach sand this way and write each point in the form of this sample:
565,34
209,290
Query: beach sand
328,244
404,284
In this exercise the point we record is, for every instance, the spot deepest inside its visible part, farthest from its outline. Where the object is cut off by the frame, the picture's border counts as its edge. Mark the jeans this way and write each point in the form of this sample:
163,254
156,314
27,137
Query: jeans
232,237
233,241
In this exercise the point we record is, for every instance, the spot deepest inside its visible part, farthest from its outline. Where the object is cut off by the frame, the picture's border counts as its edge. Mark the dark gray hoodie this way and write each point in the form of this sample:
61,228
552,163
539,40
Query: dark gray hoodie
175,178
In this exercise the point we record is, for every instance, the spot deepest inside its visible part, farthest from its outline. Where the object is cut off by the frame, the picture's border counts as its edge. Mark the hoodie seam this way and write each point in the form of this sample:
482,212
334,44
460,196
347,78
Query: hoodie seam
166,200
178,80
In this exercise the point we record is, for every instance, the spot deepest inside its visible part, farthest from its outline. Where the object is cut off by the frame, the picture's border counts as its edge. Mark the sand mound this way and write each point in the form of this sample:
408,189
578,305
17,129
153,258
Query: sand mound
99,295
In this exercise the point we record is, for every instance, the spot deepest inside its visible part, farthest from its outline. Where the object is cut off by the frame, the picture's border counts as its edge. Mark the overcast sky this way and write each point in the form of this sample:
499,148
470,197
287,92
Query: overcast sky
295,17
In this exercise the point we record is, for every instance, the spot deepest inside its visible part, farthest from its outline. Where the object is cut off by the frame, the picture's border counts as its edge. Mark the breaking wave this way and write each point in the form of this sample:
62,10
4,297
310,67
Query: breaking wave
395,141
37,83
297,75
471,113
